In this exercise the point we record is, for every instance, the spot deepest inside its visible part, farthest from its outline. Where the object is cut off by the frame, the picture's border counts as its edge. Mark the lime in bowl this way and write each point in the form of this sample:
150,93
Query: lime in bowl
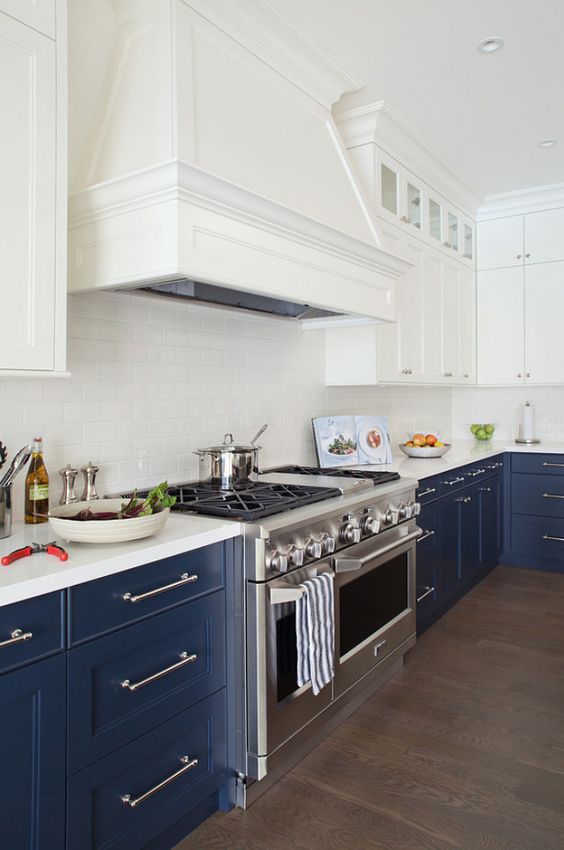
482,431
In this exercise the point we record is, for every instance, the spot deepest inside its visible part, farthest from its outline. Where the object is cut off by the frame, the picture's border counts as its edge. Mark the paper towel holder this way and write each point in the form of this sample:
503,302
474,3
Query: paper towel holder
532,441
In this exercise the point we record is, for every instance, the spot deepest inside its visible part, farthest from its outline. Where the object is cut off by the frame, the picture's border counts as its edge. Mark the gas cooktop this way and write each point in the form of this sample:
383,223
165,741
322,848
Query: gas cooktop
254,501
373,475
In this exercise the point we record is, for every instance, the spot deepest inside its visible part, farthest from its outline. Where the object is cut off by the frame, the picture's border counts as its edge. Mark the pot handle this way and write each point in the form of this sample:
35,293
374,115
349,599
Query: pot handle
228,439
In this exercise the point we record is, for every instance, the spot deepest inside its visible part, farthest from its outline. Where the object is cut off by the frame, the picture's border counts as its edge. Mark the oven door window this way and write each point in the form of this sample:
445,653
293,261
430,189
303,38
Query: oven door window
370,601
286,656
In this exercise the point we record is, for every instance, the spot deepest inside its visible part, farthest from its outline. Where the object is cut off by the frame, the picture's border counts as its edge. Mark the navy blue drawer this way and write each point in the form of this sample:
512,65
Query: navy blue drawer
541,464
98,816
106,714
429,489
109,603
41,620
541,537
539,495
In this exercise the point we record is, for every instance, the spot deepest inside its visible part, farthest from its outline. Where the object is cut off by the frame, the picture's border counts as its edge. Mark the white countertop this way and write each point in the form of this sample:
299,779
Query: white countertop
42,573
461,453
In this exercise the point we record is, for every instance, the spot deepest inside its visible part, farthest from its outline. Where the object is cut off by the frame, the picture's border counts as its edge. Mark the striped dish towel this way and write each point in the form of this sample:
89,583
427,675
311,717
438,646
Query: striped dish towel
315,632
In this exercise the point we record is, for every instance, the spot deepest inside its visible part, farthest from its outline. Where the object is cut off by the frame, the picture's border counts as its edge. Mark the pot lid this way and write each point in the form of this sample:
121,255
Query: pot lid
229,446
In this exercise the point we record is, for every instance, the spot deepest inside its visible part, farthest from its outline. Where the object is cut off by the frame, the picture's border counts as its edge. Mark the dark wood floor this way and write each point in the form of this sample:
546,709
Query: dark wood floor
464,749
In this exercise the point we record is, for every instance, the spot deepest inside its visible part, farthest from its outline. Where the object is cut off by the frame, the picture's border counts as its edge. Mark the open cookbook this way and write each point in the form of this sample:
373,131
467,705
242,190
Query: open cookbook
352,440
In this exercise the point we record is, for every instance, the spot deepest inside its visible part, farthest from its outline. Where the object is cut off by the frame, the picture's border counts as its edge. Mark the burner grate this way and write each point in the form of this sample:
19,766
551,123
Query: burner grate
378,477
255,501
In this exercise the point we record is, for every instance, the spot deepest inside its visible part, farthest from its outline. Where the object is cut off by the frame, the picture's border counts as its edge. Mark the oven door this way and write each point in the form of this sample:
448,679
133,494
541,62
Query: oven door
277,707
374,602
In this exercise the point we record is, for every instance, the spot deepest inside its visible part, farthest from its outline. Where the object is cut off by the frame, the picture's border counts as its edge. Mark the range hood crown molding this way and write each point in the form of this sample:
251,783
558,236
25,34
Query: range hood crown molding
267,34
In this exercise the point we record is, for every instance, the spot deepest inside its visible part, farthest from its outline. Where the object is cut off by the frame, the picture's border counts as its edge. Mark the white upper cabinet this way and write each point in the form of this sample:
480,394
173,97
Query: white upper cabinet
544,236
521,296
39,14
500,243
544,308
501,326
32,284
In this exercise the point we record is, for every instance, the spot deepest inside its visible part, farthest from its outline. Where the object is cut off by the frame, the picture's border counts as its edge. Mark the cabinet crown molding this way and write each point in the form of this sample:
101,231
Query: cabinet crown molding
381,125
533,199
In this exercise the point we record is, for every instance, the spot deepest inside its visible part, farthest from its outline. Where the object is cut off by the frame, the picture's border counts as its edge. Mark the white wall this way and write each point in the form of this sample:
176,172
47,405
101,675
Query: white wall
154,378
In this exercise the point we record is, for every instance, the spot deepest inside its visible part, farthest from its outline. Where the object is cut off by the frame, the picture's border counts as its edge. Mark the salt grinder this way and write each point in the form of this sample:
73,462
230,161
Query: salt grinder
68,474
89,471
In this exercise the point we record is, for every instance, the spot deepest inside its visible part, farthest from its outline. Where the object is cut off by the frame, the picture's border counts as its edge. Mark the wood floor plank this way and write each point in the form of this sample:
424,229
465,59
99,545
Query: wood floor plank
462,750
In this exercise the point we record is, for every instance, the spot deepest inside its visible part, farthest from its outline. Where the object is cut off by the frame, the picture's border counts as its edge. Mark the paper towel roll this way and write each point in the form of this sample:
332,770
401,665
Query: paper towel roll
528,422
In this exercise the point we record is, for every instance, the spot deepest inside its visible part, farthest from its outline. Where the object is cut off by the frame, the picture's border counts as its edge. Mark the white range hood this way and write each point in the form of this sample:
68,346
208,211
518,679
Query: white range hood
203,148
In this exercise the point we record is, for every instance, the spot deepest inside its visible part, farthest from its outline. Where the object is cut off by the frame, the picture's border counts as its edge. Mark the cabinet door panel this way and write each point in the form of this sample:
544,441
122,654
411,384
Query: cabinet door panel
433,316
27,201
467,305
544,236
451,323
32,755
501,326
544,307
470,543
450,552
500,243
39,14
491,520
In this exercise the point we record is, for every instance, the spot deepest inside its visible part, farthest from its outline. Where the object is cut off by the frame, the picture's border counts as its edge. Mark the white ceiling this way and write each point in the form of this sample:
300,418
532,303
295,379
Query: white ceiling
483,114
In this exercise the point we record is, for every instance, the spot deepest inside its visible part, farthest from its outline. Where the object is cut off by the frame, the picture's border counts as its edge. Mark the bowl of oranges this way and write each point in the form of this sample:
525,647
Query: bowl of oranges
425,445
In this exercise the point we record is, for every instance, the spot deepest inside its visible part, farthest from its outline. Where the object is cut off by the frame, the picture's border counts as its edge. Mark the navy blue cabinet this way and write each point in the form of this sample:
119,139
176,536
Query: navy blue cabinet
32,756
534,503
461,520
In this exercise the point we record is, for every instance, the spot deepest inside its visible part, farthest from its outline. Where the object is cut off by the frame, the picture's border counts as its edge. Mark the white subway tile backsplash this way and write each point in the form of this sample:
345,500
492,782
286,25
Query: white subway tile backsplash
154,378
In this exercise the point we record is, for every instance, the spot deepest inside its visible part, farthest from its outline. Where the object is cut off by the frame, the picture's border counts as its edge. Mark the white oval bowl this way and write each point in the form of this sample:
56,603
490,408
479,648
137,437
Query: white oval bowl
429,451
103,530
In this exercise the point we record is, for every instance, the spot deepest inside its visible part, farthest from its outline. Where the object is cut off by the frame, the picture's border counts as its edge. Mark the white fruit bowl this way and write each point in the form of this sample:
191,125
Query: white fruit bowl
425,451
103,530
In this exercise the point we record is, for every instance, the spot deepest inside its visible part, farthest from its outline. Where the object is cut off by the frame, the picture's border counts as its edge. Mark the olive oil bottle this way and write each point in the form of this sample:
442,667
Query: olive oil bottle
37,486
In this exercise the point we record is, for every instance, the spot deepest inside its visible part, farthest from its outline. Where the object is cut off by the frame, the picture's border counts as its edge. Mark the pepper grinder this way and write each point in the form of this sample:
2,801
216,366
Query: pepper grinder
89,471
68,474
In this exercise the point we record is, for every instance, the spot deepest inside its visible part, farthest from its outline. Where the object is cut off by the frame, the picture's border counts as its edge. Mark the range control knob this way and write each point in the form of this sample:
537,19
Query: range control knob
279,562
370,525
296,556
391,516
403,512
416,509
313,548
328,544
349,533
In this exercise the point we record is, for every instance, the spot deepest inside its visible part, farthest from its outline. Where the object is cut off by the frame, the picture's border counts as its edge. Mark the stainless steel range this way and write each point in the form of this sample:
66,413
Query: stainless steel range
299,524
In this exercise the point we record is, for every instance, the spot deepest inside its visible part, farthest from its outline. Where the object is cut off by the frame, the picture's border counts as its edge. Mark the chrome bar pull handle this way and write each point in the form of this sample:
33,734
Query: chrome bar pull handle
485,489
551,537
184,660
427,492
187,764
427,592
551,496
184,579
17,636
427,532
559,465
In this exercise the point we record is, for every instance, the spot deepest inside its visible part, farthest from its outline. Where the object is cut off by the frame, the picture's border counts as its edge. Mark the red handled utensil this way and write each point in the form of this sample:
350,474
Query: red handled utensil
50,548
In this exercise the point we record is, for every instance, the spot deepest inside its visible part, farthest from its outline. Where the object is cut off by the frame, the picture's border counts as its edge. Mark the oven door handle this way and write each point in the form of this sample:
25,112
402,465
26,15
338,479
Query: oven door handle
348,565
281,593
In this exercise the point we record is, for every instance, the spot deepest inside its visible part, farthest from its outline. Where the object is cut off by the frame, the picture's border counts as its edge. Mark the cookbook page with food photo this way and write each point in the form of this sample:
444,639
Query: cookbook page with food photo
352,440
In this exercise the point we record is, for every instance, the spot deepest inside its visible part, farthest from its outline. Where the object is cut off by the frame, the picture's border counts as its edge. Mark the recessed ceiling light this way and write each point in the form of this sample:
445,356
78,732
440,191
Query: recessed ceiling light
490,44
547,143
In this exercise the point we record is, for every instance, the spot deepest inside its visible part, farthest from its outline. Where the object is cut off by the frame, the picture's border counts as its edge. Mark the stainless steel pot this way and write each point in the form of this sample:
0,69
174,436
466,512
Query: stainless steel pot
229,465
